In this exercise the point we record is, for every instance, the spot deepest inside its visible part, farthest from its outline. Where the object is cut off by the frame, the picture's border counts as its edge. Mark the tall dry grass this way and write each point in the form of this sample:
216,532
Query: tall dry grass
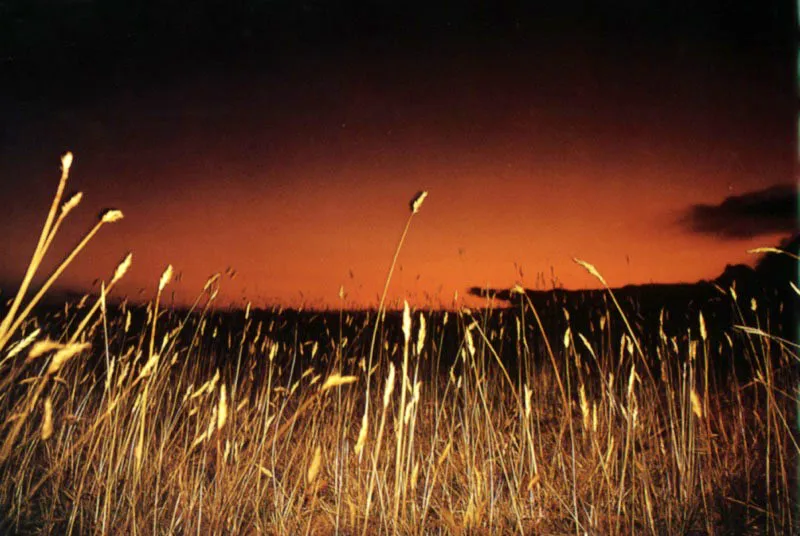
118,420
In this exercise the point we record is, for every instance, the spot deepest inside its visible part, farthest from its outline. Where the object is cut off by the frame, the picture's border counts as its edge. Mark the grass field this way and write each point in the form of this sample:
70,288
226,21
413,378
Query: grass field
140,420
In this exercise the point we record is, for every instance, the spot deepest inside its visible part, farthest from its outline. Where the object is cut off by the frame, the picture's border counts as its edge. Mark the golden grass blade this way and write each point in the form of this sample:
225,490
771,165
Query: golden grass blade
406,322
774,250
7,325
5,334
415,205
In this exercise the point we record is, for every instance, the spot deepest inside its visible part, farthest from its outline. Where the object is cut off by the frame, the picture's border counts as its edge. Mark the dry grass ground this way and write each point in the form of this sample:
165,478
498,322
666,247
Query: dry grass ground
173,428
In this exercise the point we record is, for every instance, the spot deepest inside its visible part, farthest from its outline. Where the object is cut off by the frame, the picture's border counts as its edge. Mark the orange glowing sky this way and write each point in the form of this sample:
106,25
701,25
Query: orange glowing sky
298,173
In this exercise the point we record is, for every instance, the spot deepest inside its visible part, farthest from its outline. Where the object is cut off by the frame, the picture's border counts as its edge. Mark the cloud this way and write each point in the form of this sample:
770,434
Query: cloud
768,211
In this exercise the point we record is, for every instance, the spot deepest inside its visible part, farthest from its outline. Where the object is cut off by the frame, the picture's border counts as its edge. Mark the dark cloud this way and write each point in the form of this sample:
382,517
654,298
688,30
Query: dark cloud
768,211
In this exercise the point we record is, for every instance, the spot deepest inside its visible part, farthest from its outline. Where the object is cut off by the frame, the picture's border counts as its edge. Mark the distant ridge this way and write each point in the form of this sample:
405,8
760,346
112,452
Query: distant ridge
768,283
772,270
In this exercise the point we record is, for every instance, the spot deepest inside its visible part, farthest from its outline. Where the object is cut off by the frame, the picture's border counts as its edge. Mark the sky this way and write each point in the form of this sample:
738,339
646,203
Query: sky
280,143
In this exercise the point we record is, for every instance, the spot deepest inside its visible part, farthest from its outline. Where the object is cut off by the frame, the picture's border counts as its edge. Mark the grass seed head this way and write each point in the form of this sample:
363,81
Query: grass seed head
584,407
210,281
137,454
586,343
222,411
470,343
407,413
528,394
416,203
703,334
165,278
149,366
592,270
73,202
421,334
335,380
111,216
212,422
631,381
122,268
47,424
66,162
65,354
387,393
697,407
313,469
362,434
264,471
20,346
414,477
42,347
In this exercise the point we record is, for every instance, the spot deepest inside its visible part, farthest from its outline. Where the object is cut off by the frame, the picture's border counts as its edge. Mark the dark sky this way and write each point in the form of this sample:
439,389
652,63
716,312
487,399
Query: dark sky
285,139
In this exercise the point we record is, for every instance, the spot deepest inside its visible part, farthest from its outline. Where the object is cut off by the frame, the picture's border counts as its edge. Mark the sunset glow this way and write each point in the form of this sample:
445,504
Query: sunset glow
297,173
